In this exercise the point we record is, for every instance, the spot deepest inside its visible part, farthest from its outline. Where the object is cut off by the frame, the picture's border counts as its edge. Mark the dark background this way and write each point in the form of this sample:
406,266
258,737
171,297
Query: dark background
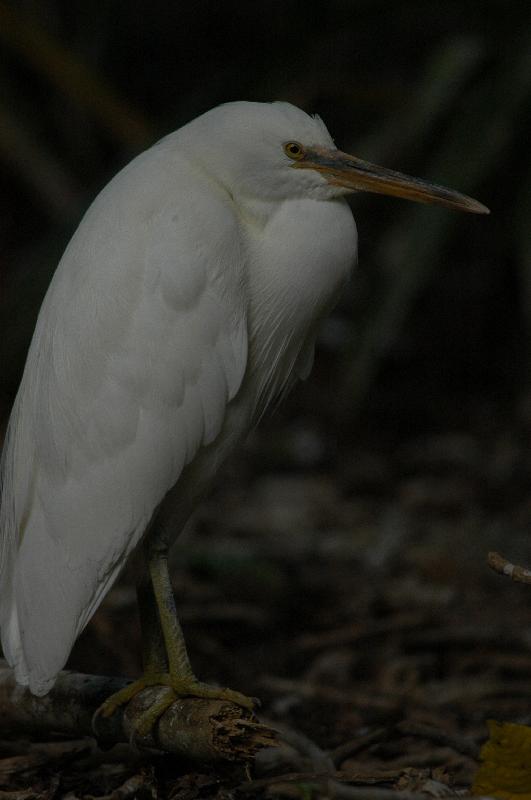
404,457
437,317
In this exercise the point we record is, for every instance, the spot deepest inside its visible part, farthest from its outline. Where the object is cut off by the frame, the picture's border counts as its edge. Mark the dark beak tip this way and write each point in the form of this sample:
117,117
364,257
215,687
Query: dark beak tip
481,209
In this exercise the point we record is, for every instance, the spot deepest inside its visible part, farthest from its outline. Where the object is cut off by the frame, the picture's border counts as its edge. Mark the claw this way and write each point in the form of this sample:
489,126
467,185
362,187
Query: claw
178,687
148,719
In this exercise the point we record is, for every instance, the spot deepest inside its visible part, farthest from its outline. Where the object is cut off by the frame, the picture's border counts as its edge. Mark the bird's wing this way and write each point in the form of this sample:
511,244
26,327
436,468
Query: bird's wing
140,345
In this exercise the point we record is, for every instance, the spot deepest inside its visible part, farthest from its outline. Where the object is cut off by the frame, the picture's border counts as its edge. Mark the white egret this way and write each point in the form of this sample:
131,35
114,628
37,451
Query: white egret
186,302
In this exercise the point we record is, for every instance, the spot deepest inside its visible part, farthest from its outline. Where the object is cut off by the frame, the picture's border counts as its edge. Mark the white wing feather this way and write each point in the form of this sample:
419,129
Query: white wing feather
140,345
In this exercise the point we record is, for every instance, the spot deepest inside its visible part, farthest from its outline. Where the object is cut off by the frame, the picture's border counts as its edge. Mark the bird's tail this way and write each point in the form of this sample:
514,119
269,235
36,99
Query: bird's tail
9,623
11,639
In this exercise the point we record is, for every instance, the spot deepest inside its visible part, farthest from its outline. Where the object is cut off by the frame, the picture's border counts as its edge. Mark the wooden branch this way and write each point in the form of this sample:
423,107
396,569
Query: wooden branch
503,567
459,743
201,730
332,784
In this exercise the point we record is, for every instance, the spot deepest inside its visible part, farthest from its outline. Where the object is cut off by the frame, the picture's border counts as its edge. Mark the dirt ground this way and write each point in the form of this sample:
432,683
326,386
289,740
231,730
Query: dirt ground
354,599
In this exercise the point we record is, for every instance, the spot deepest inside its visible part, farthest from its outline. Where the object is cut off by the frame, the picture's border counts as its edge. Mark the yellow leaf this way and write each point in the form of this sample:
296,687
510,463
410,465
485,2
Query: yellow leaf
505,771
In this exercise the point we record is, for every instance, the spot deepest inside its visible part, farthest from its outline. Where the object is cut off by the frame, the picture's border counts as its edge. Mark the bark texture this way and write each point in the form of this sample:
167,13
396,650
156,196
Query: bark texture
201,730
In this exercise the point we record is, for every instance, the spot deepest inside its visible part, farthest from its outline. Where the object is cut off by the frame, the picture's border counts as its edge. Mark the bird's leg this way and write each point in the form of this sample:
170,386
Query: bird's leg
166,659
179,677
154,658
175,646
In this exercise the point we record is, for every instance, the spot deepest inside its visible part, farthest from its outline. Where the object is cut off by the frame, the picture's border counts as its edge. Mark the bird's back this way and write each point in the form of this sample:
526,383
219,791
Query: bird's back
178,313
141,343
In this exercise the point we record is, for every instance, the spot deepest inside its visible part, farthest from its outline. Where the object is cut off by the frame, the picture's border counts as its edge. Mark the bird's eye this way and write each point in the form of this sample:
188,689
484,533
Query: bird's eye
294,150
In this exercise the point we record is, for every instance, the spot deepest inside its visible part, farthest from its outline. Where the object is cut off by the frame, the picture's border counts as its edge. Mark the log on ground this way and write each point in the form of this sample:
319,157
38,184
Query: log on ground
197,729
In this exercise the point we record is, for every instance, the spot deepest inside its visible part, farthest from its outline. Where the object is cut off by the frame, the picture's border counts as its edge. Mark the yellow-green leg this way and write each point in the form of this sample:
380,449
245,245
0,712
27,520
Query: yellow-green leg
165,657
154,658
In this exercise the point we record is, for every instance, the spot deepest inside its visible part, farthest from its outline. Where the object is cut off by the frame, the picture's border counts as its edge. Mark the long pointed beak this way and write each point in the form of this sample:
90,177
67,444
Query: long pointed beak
352,173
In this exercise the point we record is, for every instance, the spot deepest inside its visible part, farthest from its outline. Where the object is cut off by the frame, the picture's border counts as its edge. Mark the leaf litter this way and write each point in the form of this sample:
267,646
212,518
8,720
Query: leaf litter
359,606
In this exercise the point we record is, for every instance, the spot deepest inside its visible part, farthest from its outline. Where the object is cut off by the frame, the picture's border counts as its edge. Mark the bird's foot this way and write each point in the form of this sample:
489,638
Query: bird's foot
178,687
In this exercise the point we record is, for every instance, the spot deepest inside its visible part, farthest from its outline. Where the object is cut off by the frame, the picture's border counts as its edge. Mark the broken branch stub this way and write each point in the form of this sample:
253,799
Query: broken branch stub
503,567
197,729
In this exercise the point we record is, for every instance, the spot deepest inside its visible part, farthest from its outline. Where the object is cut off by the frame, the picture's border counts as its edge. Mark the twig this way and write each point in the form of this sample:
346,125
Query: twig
311,691
334,785
357,631
355,746
513,571
306,747
43,754
461,744
132,787
344,792
203,730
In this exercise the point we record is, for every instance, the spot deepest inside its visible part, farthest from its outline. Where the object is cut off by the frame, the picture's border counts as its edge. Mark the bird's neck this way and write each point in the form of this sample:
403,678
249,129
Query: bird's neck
256,213
299,255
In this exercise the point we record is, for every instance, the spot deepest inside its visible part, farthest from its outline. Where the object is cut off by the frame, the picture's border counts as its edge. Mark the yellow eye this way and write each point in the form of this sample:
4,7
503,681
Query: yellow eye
294,150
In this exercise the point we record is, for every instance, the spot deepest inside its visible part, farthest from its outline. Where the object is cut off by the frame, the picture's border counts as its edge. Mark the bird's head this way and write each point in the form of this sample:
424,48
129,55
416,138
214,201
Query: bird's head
275,151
